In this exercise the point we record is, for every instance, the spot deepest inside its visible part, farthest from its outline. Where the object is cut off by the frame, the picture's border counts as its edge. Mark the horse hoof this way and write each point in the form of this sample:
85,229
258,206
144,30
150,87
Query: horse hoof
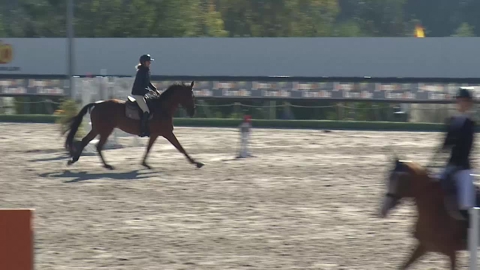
70,162
110,167
146,166
200,165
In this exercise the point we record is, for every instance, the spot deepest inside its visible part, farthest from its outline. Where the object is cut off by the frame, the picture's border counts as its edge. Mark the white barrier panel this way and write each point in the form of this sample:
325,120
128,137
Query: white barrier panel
101,88
120,88
473,237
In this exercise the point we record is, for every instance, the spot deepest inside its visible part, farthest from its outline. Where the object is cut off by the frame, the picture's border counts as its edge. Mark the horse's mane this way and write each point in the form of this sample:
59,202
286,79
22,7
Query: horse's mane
418,169
167,93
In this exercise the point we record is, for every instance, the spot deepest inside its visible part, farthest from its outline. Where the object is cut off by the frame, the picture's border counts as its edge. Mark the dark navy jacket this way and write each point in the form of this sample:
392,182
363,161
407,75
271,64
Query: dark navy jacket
459,139
142,81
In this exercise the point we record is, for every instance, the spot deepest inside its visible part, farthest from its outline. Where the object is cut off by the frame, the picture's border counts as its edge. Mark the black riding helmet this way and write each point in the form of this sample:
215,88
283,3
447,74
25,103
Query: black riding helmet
144,58
464,92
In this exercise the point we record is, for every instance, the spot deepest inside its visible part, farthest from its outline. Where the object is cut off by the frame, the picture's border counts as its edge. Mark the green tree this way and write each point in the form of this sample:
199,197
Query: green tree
313,18
212,22
278,18
464,30
137,18
348,29
3,31
97,18
35,18
442,17
254,18
469,10
381,18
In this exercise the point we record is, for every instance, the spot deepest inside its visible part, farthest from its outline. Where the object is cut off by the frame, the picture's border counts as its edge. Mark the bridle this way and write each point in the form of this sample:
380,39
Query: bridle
429,164
396,196
392,195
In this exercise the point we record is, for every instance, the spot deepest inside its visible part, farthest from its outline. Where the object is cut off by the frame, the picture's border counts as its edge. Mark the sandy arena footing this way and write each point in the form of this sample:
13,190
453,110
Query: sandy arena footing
308,200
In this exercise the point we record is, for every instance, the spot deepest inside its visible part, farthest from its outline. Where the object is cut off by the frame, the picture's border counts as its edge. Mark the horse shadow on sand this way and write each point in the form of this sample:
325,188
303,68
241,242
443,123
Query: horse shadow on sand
75,177
60,156
55,158
237,158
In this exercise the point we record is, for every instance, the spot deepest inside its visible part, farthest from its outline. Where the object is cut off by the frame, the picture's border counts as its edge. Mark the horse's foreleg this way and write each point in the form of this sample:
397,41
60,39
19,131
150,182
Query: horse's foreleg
418,252
173,140
101,142
78,152
453,260
151,141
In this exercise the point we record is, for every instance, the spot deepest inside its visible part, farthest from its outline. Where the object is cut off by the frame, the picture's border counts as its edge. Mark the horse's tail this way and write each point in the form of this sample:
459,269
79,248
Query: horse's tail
73,124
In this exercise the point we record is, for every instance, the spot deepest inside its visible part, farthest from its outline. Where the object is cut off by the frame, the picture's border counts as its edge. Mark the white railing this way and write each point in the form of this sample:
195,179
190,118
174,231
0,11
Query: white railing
473,237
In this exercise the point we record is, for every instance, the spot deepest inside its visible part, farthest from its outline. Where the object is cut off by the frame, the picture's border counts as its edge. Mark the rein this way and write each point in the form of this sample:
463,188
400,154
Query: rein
427,188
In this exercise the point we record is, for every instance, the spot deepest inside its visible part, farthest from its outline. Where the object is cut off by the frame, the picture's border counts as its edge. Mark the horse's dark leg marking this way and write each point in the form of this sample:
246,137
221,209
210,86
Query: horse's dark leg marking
173,140
78,152
151,141
418,252
101,143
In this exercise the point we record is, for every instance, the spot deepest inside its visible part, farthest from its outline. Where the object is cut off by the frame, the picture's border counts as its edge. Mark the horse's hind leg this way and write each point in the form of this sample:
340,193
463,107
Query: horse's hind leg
418,252
78,152
101,142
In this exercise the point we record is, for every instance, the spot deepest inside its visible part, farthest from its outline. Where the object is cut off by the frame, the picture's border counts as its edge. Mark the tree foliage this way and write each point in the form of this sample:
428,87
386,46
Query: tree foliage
240,18
464,30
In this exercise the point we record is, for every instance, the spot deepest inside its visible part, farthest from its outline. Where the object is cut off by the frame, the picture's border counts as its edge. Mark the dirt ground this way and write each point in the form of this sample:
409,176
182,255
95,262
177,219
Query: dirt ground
308,200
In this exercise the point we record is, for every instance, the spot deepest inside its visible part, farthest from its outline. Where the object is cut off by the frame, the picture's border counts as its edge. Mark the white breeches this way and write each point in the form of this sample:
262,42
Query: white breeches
141,102
465,187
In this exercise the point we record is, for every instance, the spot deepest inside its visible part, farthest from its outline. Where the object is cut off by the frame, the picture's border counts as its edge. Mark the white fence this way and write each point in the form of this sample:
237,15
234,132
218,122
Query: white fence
101,88
89,90
473,237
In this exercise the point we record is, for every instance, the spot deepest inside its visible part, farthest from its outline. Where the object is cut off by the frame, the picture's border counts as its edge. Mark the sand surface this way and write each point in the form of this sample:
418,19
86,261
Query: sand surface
308,200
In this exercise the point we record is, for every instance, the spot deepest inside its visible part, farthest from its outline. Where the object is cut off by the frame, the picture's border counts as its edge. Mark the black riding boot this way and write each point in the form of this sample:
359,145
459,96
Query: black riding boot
466,215
144,125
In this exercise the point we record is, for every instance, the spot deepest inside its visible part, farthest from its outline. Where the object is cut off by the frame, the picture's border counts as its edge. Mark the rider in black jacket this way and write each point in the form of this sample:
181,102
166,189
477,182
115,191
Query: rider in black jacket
140,89
460,141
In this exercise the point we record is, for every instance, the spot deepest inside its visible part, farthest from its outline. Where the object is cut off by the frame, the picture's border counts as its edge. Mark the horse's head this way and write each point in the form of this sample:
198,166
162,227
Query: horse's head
403,181
187,98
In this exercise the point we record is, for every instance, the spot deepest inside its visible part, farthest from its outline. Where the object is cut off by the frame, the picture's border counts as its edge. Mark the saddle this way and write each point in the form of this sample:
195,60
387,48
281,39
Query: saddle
133,111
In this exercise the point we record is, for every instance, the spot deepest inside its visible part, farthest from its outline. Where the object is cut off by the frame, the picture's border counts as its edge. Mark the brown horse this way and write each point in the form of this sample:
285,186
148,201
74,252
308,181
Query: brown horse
436,229
110,114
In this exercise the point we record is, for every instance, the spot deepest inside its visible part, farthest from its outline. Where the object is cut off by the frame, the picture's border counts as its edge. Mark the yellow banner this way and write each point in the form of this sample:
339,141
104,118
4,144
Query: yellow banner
419,32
